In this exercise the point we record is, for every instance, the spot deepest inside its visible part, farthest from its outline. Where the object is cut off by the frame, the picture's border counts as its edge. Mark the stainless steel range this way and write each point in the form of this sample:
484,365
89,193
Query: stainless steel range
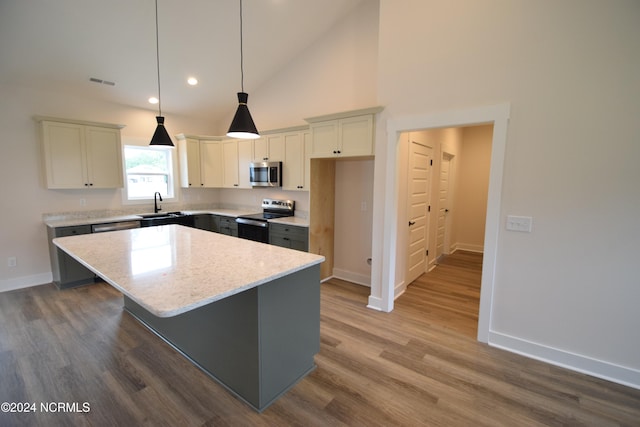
256,226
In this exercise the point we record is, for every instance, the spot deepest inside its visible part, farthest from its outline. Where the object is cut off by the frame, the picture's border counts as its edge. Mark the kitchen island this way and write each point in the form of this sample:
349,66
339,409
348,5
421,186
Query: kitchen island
246,313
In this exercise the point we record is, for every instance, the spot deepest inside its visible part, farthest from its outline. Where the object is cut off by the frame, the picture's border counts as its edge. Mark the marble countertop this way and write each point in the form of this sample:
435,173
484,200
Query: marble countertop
73,221
291,220
171,269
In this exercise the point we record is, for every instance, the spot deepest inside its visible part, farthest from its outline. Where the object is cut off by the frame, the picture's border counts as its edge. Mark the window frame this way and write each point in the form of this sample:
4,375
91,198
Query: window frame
173,177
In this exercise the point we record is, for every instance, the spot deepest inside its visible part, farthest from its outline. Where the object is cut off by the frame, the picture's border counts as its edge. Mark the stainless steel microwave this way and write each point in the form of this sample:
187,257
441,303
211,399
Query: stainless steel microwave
265,174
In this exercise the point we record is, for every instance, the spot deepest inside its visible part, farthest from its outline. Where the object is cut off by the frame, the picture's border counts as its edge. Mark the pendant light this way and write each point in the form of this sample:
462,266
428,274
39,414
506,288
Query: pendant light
242,125
160,136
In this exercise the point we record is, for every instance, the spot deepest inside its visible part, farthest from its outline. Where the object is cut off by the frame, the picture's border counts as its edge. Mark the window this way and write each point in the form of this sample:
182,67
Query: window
148,169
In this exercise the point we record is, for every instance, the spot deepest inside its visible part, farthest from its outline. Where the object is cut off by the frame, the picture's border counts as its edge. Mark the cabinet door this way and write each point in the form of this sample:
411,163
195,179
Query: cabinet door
190,163
324,139
355,136
230,164
260,149
103,157
245,154
211,163
71,272
203,222
293,163
227,225
63,146
275,144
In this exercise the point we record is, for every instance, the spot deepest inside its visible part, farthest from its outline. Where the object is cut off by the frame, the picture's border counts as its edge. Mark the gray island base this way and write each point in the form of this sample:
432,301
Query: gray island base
246,313
258,343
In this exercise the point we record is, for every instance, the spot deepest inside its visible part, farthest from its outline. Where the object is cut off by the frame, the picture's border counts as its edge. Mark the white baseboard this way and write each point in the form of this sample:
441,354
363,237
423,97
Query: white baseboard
597,368
25,282
469,247
375,303
350,276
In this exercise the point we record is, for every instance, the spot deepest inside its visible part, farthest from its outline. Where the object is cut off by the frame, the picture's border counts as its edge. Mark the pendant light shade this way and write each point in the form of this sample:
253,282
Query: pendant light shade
160,136
242,125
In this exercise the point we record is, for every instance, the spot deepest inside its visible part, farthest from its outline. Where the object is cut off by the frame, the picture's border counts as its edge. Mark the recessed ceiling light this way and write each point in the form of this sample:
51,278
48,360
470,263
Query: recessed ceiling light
192,81
153,100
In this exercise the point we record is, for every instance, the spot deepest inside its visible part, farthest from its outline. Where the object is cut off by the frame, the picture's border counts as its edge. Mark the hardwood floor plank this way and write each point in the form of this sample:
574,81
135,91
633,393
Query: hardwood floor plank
418,365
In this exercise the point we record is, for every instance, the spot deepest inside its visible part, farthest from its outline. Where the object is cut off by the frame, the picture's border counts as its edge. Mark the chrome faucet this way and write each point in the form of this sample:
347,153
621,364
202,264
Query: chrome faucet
156,196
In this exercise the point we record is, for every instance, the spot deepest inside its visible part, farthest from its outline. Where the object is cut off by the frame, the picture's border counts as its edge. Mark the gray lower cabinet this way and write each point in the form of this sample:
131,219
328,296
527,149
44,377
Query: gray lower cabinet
67,272
203,222
289,236
225,225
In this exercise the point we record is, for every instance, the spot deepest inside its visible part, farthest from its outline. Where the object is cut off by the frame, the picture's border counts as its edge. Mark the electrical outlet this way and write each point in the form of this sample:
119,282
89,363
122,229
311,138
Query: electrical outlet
519,223
83,202
12,261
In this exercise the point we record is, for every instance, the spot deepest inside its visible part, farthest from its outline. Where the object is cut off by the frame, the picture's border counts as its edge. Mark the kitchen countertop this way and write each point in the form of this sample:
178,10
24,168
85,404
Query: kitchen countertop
291,220
172,269
76,221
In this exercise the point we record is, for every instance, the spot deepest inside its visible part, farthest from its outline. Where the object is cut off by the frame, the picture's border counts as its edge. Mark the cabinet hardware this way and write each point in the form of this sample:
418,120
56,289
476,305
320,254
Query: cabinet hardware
411,223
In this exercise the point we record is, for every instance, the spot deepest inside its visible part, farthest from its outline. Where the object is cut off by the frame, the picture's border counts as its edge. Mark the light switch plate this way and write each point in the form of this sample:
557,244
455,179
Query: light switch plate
519,223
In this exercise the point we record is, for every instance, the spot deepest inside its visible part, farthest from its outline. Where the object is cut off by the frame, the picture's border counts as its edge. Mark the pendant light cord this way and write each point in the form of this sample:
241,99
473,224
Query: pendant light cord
241,52
158,62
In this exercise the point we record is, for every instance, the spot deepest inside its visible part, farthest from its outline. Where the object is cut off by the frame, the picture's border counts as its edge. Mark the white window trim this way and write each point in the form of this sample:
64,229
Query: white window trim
143,142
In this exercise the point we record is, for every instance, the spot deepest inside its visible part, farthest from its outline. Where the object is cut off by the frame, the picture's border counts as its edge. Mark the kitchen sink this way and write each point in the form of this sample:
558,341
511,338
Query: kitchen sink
150,220
162,215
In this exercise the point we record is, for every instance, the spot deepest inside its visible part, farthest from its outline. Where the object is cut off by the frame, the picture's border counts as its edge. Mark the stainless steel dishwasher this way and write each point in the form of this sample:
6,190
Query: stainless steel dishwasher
113,226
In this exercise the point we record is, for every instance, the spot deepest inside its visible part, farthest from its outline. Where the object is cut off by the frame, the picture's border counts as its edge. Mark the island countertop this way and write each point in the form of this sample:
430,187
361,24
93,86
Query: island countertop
172,269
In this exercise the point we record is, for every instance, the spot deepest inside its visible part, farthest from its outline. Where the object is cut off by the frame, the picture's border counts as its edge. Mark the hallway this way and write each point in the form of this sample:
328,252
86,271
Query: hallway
448,297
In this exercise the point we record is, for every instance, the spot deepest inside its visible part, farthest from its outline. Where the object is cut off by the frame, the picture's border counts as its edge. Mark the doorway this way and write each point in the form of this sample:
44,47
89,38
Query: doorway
385,227
461,171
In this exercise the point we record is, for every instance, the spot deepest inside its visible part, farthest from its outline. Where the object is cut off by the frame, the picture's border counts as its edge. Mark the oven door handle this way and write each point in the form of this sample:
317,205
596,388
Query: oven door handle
262,224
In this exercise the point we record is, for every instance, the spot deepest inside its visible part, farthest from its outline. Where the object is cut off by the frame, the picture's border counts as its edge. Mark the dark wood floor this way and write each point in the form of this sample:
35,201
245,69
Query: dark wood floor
419,365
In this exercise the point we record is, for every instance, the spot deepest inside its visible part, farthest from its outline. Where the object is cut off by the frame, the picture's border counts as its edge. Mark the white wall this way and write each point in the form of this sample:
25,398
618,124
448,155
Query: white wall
353,220
338,73
472,188
567,292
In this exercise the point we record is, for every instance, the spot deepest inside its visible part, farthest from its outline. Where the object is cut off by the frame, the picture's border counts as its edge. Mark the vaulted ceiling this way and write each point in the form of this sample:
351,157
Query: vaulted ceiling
59,45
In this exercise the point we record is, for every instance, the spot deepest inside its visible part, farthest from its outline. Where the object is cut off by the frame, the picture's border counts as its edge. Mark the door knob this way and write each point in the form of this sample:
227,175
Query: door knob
411,223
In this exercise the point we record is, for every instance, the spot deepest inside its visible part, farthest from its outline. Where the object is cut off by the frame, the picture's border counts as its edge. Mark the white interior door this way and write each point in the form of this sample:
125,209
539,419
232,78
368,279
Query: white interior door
442,234
419,177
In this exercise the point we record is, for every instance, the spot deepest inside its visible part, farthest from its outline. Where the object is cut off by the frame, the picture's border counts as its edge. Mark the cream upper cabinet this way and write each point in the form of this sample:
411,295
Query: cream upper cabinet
348,134
78,155
293,165
189,154
200,162
269,148
324,139
230,177
211,163
348,137
245,155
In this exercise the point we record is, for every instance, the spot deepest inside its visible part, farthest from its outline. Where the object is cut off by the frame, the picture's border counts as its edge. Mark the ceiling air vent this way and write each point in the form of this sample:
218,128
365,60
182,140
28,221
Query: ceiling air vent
104,82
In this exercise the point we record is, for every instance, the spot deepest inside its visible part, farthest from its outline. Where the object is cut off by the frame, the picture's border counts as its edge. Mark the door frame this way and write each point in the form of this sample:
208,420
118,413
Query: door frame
385,227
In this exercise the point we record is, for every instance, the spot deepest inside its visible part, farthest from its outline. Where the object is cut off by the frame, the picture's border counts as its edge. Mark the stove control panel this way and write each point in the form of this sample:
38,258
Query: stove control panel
274,204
